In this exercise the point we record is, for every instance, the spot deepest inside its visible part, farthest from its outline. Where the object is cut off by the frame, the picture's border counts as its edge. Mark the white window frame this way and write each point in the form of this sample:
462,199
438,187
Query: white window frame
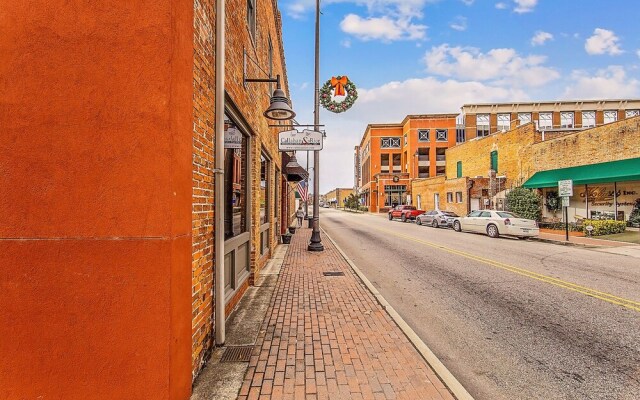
631,113
610,116
524,118
482,120
545,120
588,116
504,122
564,119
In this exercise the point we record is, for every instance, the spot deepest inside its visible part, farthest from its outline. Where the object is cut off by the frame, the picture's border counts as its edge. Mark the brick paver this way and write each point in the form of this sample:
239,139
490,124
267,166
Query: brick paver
327,337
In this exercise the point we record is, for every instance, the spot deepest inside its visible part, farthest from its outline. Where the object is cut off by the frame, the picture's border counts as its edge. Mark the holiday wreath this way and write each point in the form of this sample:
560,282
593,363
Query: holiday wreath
343,87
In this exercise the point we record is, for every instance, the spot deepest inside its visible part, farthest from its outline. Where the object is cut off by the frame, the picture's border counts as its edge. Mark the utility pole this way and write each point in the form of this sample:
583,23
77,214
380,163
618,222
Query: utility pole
316,242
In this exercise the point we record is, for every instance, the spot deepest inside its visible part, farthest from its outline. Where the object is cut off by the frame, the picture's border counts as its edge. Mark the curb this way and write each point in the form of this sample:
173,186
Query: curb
459,392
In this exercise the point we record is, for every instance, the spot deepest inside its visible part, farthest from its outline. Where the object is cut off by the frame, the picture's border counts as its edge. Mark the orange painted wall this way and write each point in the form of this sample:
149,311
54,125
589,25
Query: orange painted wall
95,209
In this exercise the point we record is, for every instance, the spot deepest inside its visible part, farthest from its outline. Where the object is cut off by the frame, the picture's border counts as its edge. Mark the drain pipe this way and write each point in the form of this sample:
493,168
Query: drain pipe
218,199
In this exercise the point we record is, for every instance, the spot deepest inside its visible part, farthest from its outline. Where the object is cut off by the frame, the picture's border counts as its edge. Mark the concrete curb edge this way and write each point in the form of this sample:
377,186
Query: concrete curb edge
443,373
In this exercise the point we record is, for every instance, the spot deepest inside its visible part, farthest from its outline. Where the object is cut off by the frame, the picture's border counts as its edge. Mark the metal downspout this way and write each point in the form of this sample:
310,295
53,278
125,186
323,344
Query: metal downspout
219,175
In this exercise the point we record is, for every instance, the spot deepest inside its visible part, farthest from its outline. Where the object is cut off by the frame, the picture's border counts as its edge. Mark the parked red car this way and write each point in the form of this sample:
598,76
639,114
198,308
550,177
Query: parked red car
405,213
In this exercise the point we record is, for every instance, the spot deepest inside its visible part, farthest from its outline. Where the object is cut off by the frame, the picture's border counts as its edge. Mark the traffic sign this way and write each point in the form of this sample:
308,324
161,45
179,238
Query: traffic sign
565,202
565,188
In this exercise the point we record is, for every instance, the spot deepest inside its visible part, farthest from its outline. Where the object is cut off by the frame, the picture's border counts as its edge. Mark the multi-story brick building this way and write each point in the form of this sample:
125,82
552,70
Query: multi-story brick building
337,196
479,120
391,155
107,247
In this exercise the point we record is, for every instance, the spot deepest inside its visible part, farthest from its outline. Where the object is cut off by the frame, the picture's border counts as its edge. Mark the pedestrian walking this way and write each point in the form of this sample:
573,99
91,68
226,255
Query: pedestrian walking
300,215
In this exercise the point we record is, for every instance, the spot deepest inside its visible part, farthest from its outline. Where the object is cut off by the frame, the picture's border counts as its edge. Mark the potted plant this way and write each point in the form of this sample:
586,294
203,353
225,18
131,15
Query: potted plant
286,238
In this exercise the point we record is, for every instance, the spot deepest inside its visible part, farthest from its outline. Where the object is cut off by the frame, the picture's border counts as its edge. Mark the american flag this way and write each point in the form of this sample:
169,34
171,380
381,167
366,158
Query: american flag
302,190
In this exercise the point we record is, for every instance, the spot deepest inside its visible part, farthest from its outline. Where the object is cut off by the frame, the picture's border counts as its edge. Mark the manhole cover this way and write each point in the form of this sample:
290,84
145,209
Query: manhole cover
237,354
333,273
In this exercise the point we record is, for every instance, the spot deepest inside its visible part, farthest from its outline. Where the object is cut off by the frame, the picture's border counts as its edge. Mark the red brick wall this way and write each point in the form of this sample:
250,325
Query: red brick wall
203,180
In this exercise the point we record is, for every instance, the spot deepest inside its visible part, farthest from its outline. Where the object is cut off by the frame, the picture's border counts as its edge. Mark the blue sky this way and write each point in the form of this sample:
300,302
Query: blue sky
430,56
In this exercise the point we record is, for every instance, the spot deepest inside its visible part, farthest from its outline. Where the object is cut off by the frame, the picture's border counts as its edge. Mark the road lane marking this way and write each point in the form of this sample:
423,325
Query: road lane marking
630,304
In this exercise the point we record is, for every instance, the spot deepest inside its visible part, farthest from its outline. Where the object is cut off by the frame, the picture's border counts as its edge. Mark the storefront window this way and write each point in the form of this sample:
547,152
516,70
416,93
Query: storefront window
235,180
264,189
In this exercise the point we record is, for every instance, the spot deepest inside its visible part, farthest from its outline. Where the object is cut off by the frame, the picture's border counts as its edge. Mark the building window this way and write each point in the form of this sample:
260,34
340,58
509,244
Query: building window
459,169
235,184
610,116
566,120
396,162
251,18
494,160
482,125
406,139
441,170
390,143
504,122
449,197
631,113
441,135
461,135
588,119
546,121
458,197
264,189
384,162
524,118
423,135
394,195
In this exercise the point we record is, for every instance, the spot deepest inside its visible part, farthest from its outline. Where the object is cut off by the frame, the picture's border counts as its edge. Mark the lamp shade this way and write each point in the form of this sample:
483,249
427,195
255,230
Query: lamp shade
279,109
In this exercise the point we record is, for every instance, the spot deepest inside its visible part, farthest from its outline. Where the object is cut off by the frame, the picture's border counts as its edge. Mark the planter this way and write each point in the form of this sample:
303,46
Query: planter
292,230
286,239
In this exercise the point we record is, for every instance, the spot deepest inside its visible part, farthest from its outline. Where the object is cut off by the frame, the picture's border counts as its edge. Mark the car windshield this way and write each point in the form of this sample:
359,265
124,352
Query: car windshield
450,214
504,214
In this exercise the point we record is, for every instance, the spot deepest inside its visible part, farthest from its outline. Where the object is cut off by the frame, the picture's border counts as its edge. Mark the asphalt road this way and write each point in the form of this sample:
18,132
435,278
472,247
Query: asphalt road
511,319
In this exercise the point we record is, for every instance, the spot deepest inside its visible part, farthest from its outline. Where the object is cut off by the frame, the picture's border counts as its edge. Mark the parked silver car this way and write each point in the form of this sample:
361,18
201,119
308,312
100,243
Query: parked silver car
437,218
495,223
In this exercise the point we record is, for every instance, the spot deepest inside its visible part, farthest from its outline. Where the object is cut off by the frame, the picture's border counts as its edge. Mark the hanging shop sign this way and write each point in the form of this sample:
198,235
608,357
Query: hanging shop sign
307,140
340,88
232,138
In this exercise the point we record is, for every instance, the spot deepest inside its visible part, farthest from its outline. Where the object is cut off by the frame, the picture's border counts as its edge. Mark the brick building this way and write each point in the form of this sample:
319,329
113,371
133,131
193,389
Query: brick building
391,155
479,120
108,244
336,197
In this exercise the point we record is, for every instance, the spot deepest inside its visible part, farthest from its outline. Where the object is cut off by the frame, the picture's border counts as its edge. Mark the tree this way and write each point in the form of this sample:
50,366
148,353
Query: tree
634,217
352,202
525,202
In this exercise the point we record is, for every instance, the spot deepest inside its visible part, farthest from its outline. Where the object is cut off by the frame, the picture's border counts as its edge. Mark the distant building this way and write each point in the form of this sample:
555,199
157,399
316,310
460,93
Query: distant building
336,197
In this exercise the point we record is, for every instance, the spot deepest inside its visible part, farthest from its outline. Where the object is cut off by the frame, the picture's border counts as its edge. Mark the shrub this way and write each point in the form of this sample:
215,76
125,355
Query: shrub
605,227
364,208
525,202
634,217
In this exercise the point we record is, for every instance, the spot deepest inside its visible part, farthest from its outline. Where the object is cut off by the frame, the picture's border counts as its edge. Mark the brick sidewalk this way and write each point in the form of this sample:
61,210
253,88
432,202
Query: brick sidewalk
327,337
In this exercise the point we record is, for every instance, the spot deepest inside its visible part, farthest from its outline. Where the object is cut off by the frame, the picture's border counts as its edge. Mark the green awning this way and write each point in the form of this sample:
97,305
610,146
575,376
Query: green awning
613,171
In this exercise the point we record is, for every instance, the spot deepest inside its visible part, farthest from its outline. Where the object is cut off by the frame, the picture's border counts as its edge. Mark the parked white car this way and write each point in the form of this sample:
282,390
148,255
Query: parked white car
495,223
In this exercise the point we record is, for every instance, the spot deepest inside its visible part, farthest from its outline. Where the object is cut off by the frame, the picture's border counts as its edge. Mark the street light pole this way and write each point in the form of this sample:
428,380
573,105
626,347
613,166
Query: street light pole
316,242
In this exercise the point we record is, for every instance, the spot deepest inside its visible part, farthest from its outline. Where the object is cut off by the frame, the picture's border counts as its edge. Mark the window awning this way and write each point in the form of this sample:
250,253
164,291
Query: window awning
607,172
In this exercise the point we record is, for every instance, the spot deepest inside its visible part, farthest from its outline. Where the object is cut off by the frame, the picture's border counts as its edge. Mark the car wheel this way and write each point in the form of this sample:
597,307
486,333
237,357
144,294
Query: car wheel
390,217
418,221
457,227
492,231
434,224
403,218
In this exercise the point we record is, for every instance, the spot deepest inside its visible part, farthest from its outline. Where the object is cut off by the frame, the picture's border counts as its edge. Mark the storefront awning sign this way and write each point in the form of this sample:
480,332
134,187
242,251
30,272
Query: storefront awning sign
607,172
293,140
565,188
232,138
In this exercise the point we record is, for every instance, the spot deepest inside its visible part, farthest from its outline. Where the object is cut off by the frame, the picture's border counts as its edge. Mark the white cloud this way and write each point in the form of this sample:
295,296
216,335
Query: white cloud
459,24
501,6
382,28
524,6
468,2
611,82
638,52
540,38
497,65
603,41
346,43
397,8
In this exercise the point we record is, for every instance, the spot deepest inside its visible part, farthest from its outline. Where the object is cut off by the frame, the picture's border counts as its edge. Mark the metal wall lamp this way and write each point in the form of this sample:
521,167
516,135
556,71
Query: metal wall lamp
280,108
